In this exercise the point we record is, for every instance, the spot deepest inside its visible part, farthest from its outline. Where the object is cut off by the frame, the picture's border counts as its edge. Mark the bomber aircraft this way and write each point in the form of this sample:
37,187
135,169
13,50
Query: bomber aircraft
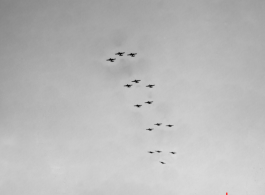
150,86
119,53
111,59
132,54
149,102
136,81
127,85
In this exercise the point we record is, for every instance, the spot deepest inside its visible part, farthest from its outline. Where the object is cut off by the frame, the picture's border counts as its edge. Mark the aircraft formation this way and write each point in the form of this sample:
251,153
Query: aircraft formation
159,151
121,54
138,106
157,124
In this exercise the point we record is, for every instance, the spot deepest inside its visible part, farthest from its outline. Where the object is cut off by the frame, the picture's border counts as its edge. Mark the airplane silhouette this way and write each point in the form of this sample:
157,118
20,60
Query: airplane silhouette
136,81
137,105
173,152
158,151
158,124
111,59
149,102
162,162
149,129
151,152
169,125
128,85
119,53
132,54
151,86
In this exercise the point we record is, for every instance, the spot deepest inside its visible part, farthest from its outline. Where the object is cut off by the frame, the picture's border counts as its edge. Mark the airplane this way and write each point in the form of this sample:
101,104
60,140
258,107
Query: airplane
173,152
128,85
158,124
149,102
136,81
137,105
132,54
149,129
111,59
151,86
119,53
162,162
169,125
158,151
151,152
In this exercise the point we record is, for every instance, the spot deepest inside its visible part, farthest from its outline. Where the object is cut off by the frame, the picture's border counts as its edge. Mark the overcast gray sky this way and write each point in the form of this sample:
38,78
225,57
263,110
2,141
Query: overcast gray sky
69,127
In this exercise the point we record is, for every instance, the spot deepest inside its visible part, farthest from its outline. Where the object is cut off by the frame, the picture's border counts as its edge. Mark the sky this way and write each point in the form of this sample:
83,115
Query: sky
68,126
